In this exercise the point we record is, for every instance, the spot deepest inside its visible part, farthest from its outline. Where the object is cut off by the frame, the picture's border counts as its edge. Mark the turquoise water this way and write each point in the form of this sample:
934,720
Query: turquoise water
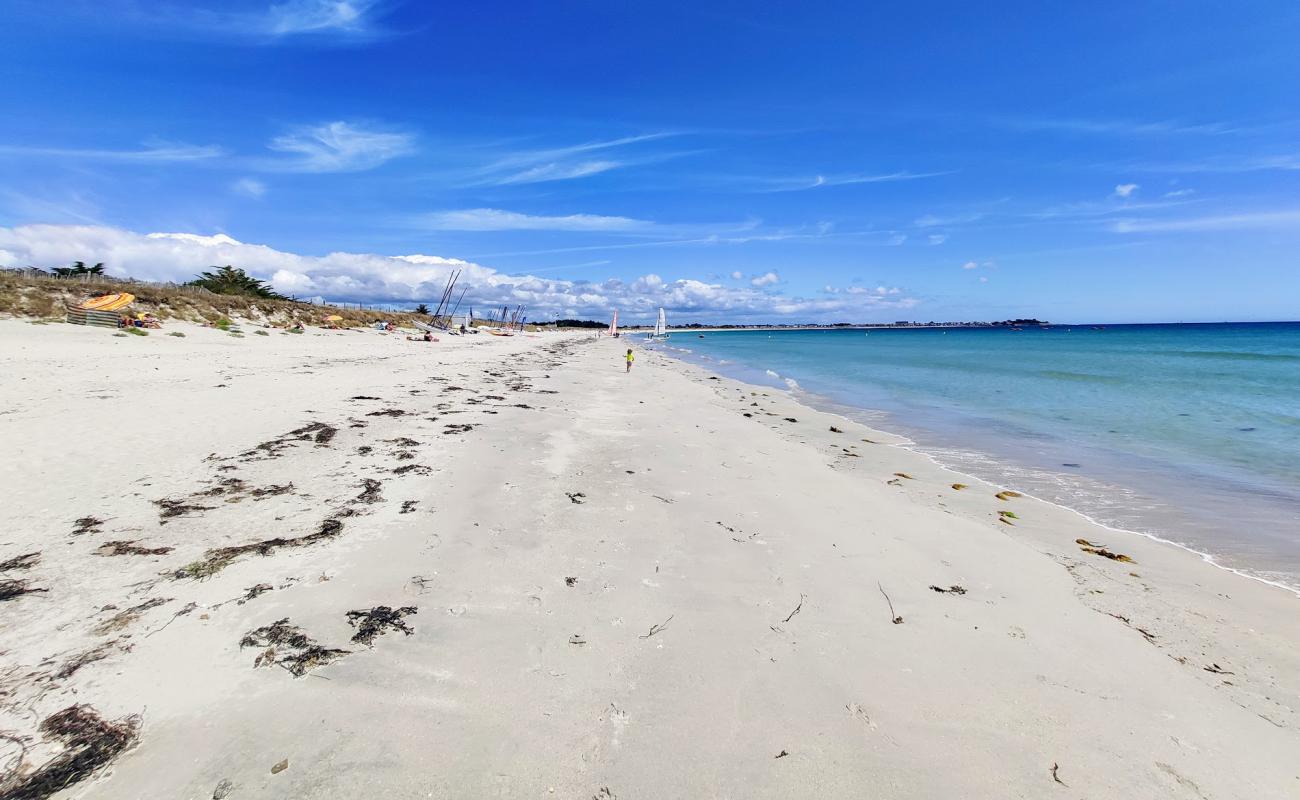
1187,432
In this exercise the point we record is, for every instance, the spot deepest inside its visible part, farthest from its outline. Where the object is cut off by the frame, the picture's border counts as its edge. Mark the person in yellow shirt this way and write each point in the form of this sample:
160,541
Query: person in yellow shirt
629,359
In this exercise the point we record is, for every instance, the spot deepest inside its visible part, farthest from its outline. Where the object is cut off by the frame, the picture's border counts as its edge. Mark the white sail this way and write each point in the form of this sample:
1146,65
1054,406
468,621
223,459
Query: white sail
661,324
613,324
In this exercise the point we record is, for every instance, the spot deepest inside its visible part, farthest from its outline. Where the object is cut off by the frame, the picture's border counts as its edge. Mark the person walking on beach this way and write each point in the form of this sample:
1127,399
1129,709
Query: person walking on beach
629,360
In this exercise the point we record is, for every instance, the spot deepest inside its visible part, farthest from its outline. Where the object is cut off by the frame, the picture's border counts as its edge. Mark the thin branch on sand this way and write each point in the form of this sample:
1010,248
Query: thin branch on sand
797,608
893,615
657,628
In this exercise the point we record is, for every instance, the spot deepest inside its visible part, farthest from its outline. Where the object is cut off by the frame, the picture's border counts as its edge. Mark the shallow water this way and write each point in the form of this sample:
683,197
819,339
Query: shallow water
1187,432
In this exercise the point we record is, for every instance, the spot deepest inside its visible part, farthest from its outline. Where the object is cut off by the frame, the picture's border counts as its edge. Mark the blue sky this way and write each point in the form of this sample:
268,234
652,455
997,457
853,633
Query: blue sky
821,161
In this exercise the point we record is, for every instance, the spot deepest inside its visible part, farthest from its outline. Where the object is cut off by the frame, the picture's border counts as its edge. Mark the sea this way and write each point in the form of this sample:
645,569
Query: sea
1189,433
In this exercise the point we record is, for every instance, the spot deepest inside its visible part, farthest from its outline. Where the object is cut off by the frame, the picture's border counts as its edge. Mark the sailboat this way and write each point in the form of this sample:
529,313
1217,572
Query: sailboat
661,328
613,324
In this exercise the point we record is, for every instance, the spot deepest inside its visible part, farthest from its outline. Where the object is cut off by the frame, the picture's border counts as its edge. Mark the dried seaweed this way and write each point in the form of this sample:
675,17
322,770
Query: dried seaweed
662,625
288,647
274,490
954,589
378,621
836,430
1100,550
577,498
16,587
90,656
904,475
24,561
452,428
370,491
86,525
175,508
959,486
418,469
1007,495
130,548
387,412
253,592
213,561
402,441
123,618
90,743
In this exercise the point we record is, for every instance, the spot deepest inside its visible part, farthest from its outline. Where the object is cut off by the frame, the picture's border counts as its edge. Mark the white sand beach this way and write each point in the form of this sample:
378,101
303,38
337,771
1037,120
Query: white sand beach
661,584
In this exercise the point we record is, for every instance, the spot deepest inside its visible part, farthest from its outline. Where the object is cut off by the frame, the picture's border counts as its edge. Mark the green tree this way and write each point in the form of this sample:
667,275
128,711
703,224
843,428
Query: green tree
232,280
421,309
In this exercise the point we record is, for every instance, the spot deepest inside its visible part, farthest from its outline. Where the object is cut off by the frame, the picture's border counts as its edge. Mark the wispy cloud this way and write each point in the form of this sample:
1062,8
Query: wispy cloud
321,21
539,165
1125,189
248,186
1117,127
555,171
1286,218
933,221
492,219
151,152
820,181
339,147
316,16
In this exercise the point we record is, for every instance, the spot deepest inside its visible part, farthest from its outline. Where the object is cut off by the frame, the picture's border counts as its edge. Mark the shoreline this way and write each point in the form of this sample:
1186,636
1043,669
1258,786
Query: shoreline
879,419
728,548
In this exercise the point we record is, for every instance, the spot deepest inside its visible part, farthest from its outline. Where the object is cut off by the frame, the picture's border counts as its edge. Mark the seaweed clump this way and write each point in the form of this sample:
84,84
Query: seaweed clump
16,587
24,561
219,558
90,743
288,647
130,548
378,621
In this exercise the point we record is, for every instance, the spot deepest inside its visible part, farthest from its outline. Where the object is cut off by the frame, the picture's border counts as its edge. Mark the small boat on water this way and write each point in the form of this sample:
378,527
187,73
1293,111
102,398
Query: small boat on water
661,328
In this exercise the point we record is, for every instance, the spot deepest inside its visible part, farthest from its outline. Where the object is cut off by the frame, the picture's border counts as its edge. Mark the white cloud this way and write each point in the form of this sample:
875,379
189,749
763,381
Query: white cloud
897,239
555,171
1287,219
1180,193
334,21
402,280
248,186
766,279
317,16
818,181
492,219
339,147
563,163
937,238
737,275
152,152
984,279
932,221
1125,189
970,265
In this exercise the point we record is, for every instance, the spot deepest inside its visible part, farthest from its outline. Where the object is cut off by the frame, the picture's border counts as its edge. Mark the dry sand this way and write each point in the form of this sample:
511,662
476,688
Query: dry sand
655,585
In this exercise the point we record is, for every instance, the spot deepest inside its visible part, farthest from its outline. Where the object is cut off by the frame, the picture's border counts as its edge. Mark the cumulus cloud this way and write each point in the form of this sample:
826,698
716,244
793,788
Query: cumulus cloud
737,275
248,186
407,279
766,279
970,265
339,147
1125,189
493,219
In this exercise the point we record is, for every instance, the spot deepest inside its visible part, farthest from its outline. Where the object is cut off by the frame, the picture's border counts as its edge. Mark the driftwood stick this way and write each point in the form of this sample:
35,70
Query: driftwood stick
797,608
657,628
894,618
